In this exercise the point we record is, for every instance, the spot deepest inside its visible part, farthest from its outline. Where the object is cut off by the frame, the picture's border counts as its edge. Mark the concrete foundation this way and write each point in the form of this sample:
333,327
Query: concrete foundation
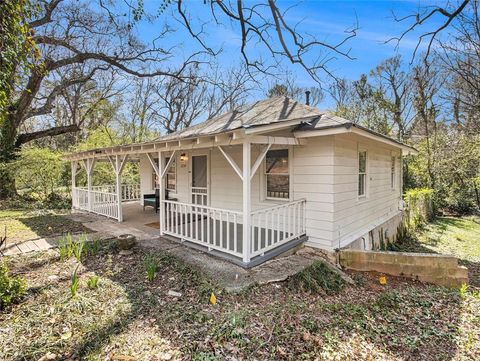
380,236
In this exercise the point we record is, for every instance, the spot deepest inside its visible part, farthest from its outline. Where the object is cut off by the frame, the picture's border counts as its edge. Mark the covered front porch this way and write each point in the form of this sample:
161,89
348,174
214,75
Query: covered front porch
211,205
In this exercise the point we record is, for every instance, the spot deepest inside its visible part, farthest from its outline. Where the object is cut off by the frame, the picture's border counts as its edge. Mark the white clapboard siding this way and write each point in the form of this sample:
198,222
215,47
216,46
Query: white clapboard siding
351,212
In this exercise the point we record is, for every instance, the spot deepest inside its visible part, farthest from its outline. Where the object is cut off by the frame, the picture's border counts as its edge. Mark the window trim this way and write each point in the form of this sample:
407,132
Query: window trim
365,187
393,171
174,167
289,174
154,183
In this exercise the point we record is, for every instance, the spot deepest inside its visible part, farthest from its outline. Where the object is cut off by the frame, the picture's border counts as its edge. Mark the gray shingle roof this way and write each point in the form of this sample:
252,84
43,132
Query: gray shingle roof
263,112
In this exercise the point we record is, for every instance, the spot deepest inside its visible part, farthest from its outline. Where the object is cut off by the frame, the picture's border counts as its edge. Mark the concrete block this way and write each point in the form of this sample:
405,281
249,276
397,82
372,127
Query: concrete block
431,268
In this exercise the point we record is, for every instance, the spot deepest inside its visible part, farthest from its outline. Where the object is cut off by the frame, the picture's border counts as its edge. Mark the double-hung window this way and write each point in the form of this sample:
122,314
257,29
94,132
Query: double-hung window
171,175
277,174
362,173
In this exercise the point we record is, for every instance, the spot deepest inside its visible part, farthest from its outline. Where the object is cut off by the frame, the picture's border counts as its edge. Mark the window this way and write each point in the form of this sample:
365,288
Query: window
171,175
362,173
155,184
392,173
276,174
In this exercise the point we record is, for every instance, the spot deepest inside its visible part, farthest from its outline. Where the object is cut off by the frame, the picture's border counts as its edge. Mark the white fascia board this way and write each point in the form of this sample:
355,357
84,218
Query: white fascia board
406,150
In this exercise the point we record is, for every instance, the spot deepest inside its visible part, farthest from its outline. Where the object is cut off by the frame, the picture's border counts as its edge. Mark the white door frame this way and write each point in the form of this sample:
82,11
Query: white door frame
190,174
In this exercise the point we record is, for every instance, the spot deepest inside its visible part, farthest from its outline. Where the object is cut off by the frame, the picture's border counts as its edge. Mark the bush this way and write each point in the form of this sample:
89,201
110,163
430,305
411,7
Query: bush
316,278
420,207
40,171
11,288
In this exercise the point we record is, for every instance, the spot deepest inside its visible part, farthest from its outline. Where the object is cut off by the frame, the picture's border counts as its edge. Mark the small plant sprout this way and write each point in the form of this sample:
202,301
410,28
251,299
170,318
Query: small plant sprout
463,291
74,282
151,265
78,249
65,247
92,248
92,282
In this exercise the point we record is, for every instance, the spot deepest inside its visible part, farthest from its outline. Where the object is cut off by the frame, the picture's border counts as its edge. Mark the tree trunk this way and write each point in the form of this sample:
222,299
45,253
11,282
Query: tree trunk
7,155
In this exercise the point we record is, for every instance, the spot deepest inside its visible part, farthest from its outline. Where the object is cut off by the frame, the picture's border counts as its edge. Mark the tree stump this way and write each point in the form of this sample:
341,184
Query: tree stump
126,241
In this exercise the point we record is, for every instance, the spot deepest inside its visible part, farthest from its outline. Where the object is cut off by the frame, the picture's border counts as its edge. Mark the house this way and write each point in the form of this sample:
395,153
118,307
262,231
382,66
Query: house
258,180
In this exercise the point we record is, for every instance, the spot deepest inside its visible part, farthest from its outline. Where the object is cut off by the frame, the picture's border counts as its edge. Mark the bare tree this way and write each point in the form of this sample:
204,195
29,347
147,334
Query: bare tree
183,103
286,85
425,15
263,25
394,84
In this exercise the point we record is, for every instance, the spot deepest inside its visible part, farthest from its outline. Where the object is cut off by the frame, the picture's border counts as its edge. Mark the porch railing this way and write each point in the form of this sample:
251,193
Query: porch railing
103,203
80,198
222,229
274,226
130,192
215,228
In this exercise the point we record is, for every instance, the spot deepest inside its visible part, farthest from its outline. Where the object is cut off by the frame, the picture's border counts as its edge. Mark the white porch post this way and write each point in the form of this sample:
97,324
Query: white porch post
161,179
246,201
74,175
89,169
118,176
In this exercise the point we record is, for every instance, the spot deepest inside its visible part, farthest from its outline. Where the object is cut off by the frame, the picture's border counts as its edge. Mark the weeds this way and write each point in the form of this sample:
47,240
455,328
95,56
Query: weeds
74,282
78,249
316,278
92,248
65,247
151,265
69,248
92,282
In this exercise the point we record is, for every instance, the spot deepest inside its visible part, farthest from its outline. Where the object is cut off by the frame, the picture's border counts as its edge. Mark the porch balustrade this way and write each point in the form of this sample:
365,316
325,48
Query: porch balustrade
222,229
103,198
214,228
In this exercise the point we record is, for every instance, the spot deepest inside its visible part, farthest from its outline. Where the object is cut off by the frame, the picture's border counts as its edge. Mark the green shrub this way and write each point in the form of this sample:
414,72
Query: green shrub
316,278
11,288
420,207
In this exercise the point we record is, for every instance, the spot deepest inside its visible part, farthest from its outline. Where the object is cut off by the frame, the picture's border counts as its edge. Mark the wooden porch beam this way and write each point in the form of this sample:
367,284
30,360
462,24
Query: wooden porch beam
263,139
154,165
259,160
222,138
169,164
232,162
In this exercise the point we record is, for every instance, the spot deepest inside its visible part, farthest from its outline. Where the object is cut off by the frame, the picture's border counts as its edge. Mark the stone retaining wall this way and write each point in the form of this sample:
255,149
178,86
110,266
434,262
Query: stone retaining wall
431,268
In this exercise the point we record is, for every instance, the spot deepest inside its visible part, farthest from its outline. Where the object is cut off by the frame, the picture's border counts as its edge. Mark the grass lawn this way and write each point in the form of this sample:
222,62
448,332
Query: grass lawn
458,236
24,225
129,318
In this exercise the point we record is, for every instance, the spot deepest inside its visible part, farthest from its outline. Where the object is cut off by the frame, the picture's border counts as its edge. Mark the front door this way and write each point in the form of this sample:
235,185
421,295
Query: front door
199,180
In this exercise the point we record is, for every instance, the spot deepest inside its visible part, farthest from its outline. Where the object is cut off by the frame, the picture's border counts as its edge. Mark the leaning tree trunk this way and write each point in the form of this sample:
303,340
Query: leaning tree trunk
7,155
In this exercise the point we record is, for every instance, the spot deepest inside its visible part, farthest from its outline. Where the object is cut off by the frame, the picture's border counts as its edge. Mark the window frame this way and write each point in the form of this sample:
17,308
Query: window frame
365,174
393,171
173,167
289,174
155,184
